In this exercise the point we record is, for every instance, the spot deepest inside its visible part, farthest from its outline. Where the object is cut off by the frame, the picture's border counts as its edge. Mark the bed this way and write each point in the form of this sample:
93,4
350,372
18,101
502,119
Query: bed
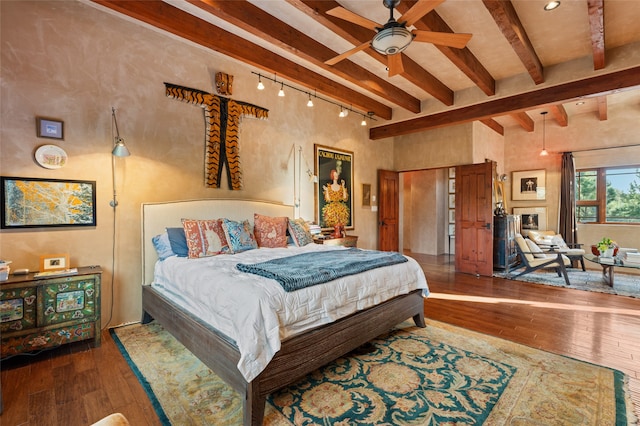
298,353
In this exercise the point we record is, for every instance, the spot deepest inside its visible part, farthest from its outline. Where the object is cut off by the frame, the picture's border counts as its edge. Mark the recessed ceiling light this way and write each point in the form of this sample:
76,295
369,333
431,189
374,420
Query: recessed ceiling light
552,5
580,103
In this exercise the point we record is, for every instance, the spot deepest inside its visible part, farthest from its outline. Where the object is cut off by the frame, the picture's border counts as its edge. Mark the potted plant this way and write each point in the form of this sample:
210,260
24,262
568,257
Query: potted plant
606,247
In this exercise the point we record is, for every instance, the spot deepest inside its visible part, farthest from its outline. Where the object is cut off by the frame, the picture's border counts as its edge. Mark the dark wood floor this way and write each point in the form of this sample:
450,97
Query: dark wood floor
77,385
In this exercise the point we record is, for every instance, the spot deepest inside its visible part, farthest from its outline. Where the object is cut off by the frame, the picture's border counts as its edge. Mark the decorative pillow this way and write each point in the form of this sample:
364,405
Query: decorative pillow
239,235
559,241
204,237
533,248
163,246
299,231
270,231
178,241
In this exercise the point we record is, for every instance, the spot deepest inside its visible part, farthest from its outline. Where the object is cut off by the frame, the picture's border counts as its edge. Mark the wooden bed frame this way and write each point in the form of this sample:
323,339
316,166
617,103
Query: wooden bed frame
298,355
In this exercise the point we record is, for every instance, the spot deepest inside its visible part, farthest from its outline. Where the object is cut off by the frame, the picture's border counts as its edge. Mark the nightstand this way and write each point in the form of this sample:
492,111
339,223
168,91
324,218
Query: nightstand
44,313
346,241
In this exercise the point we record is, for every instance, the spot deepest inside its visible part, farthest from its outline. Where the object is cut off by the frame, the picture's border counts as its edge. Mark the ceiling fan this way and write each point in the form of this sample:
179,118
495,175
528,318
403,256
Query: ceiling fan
394,37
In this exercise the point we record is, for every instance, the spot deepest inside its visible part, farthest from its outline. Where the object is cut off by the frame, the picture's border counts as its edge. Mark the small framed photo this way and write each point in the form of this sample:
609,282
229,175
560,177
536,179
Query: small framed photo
452,186
529,185
452,201
532,218
452,172
452,216
366,194
49,128
452,229
54,262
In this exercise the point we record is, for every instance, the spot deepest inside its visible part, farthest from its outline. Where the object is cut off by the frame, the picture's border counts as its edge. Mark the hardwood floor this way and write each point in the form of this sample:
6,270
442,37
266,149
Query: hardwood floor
78,385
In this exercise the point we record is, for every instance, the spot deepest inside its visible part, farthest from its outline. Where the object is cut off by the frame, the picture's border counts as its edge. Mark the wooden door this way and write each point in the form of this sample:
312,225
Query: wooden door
388,210
474,219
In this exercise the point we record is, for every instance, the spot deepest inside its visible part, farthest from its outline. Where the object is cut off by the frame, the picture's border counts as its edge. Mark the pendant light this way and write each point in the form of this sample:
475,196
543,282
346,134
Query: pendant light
544,151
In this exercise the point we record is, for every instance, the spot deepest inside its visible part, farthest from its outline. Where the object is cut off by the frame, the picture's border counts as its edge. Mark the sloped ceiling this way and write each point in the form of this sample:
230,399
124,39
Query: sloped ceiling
521,60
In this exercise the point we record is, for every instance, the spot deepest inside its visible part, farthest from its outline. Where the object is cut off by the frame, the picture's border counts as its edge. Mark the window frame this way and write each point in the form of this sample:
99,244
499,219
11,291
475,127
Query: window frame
601,195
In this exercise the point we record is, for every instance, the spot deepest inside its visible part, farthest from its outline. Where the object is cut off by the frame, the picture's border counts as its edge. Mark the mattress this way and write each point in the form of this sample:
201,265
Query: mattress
257,314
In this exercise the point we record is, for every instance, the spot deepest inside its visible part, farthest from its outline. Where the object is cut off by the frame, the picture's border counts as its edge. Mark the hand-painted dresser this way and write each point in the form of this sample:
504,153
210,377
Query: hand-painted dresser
38,314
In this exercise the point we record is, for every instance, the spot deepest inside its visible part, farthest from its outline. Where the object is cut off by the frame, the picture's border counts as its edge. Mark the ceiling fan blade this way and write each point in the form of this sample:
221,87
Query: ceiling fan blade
457,40
346,54
347,15
418,10
394,63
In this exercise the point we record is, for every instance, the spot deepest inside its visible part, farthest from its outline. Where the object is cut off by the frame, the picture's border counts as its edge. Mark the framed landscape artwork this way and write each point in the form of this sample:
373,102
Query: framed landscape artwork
529,185
37,203
334,196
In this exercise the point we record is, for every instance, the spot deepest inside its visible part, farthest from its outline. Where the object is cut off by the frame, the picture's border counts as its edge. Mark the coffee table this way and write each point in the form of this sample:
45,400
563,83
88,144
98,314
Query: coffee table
607,266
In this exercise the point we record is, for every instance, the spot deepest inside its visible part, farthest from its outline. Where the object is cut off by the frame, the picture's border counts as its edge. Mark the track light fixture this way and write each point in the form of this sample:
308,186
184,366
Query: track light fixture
344,111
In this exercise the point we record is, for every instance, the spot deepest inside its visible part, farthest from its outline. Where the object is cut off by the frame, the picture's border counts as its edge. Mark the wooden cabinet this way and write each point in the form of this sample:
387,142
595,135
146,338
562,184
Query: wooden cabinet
346,241
505,254
38,314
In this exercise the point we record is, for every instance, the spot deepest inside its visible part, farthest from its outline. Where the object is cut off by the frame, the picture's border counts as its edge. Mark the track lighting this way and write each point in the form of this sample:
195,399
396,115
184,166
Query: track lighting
344,111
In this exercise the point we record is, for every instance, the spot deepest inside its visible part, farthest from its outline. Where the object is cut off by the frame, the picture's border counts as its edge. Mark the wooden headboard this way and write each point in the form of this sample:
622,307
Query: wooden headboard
158,216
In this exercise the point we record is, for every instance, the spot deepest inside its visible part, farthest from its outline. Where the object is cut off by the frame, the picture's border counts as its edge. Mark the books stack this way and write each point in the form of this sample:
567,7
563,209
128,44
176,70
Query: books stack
57,273
315,229
631,258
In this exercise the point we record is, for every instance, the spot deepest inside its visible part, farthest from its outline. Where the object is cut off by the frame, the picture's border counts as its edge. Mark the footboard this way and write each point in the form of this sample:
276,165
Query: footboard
297,357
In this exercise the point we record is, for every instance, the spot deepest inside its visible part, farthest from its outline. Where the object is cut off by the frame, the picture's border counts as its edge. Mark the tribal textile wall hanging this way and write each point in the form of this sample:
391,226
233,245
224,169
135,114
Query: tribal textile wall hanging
222,117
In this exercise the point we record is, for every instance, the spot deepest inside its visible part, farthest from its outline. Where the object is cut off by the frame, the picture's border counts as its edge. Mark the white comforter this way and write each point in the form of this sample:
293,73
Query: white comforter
258,314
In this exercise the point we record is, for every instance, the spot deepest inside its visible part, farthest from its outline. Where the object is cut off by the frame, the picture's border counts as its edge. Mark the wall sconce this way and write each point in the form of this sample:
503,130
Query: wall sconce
119,148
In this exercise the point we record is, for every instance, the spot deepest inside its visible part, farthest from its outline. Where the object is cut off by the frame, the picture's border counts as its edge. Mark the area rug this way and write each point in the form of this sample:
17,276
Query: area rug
589,280
436,375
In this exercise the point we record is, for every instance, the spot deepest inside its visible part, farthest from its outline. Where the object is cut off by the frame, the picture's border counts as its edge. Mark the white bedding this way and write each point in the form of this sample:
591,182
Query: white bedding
258,314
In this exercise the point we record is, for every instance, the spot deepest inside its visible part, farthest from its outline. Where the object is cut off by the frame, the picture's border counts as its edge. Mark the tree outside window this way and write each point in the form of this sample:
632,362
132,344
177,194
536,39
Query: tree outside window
608,195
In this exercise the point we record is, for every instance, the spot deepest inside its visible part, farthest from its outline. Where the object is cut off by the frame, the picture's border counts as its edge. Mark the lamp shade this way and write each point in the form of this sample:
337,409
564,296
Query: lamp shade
392,40
120,149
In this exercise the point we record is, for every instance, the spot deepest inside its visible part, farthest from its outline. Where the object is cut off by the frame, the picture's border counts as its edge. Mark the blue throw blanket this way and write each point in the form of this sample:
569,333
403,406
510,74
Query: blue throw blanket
307,269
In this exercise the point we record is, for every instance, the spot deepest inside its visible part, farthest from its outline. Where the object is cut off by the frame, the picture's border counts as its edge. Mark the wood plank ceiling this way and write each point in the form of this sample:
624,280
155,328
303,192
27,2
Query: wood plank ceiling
520,61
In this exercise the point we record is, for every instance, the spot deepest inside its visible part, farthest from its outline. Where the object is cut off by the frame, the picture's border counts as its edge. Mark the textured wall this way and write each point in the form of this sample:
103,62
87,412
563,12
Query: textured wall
74,61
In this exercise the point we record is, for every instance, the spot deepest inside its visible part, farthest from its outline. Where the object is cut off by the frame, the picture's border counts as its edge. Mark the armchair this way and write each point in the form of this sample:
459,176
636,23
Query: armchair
547,240
534,258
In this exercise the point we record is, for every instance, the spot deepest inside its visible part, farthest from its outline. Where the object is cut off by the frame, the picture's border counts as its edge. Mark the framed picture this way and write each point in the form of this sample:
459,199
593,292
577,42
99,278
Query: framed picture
529,185
54,262
532,218
452,229
452,172
49,128
452,216
452,201
366,194
37,203
452,186
334,195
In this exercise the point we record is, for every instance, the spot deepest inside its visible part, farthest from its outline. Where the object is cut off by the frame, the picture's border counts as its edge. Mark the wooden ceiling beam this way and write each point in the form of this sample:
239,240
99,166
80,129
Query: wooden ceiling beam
461,58
596,24
523,120
601,84
356,35
602,108
509,23
259,23
560,114
175,21
493,125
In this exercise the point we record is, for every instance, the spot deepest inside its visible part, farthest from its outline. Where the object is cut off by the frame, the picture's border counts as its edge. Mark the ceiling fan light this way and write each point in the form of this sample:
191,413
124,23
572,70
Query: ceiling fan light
392,40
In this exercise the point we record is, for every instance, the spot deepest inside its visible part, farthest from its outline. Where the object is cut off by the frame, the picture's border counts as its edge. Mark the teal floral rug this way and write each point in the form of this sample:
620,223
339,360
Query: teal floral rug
436,375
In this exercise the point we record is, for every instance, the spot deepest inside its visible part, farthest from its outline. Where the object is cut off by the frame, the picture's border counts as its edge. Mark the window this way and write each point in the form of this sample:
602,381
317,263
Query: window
608,195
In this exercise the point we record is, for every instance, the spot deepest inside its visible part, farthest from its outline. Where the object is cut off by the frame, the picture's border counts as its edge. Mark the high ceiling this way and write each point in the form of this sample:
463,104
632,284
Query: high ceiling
577,59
